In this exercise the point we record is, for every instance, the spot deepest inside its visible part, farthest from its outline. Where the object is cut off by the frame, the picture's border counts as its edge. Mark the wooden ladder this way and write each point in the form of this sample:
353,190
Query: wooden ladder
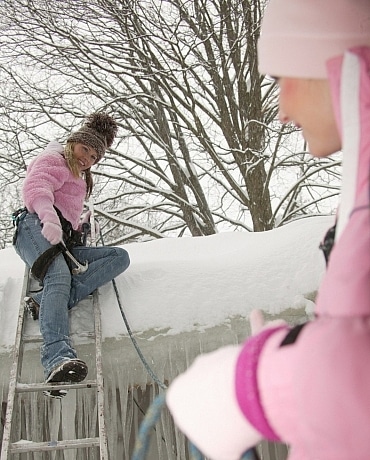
9,448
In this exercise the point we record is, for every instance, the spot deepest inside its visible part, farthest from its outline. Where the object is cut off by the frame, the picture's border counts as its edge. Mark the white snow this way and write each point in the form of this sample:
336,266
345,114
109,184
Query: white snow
178,285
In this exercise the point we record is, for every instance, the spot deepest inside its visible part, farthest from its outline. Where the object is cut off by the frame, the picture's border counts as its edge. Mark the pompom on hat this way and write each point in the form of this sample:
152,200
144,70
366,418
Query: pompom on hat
299,36
98,132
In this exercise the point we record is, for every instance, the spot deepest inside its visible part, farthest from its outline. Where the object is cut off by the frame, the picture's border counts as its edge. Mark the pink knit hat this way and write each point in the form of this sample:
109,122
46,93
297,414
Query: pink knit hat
299,36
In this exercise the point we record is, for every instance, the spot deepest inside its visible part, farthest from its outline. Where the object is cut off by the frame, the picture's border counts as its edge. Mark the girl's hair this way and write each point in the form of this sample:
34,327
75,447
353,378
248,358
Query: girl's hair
72,165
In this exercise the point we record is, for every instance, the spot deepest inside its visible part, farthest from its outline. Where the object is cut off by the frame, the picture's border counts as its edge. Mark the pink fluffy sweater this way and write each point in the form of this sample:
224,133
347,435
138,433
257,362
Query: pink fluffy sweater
49,182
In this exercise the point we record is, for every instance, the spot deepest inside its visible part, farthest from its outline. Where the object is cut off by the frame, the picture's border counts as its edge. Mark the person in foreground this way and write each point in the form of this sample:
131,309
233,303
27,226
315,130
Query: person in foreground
57,182
309,385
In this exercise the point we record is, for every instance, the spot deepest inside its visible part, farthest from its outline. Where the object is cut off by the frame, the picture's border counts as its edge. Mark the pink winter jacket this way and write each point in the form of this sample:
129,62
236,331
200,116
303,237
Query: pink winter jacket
314,394
49,182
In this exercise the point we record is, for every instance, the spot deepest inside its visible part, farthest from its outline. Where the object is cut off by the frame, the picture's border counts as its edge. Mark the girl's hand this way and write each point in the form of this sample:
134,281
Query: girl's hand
51,228
85,219
52,232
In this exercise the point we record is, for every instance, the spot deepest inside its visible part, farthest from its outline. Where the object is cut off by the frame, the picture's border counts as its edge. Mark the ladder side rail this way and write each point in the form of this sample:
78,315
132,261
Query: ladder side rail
15,371
99,378
98,352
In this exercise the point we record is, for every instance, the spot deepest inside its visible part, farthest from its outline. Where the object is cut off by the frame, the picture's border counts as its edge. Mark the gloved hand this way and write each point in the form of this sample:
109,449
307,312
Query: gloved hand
203,404
203,401
85,219
51,228
52,232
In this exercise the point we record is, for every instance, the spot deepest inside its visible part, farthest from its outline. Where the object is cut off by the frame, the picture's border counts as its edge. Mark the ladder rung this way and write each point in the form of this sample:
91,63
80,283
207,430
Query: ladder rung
32,338
53,445
29,387
38,338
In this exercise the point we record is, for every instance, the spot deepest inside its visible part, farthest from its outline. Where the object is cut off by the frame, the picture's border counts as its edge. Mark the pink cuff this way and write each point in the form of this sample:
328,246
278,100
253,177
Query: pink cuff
246,384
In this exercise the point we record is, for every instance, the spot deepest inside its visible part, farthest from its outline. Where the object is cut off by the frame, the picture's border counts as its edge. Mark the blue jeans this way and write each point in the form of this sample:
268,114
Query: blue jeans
62,290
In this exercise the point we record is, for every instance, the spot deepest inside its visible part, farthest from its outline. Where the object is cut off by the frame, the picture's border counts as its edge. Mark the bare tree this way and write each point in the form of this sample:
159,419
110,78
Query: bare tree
198,150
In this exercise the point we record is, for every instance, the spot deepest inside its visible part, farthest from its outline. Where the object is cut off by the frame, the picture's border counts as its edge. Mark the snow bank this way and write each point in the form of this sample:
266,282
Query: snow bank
191,284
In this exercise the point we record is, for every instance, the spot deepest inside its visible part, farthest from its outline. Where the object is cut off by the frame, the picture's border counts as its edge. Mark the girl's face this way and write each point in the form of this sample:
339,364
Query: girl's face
307,103
85,156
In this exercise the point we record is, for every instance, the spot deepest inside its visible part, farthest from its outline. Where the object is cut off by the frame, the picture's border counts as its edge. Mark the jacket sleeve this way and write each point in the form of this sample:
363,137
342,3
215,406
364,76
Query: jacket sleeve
46,174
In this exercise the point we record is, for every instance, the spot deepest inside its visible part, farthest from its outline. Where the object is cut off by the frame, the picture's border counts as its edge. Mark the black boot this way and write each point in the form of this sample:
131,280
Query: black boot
69,371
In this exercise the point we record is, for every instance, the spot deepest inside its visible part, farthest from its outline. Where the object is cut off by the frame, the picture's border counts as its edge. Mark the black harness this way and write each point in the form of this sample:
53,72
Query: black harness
71,239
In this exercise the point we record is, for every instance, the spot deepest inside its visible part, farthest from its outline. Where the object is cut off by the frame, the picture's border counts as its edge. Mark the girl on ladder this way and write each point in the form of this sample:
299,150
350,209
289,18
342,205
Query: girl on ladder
56,185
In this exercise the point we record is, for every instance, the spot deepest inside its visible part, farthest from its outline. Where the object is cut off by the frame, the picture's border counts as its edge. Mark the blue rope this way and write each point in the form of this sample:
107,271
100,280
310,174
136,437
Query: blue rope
131,335
150,420
250,454
135,344
195,454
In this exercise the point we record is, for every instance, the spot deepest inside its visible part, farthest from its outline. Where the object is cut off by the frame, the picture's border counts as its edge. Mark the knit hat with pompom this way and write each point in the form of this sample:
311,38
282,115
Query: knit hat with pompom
98,132
299,36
